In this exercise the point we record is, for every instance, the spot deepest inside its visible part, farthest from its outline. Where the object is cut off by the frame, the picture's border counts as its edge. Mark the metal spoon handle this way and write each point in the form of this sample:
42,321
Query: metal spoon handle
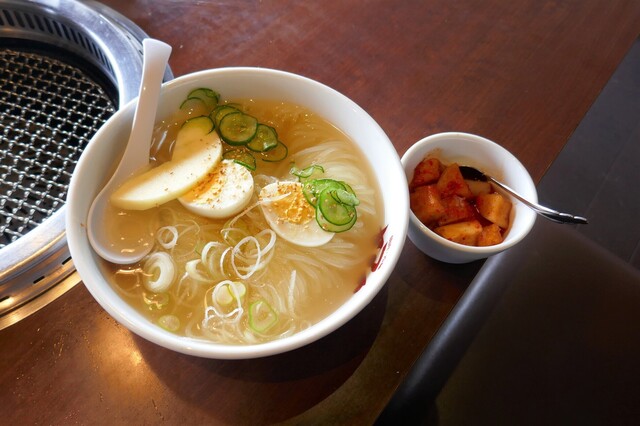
550,214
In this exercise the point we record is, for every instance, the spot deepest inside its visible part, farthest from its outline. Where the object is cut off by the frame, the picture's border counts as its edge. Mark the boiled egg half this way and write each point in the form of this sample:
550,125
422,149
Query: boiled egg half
291,216
224,192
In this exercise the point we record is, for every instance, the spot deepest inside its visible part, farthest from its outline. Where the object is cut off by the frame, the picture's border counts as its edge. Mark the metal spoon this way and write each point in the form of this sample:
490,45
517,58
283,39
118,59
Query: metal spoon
136,155
475,174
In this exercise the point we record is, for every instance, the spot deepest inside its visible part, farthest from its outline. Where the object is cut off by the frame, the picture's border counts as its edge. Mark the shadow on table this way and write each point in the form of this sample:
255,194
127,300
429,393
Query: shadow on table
548,332
271,389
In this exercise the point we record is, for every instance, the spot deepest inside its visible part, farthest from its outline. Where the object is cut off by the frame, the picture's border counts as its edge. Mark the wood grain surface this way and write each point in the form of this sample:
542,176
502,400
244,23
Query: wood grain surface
522,73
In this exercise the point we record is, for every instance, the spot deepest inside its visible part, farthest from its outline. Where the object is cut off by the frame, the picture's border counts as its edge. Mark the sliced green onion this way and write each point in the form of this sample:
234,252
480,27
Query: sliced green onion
345,197
335,201
169,322
348,188
242,157
306,172
261,316
312,188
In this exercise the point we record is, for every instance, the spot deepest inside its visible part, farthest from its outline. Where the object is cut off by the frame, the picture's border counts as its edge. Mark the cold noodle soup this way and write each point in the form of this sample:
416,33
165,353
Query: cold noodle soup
285,239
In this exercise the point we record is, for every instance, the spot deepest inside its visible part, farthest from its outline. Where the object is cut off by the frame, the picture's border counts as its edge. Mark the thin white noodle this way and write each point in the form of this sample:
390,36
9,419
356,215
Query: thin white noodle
272,239
274,198
186,290
292,283
244,212
133,291
256,259
240,248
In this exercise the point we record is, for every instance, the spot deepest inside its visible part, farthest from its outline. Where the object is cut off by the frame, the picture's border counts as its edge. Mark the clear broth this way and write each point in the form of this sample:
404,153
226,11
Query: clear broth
325,276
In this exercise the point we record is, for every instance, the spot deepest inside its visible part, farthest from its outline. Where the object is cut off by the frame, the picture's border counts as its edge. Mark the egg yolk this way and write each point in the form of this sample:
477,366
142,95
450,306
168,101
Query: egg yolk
293,208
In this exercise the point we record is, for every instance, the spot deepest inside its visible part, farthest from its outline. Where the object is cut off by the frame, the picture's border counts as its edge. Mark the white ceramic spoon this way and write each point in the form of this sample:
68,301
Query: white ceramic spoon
136,155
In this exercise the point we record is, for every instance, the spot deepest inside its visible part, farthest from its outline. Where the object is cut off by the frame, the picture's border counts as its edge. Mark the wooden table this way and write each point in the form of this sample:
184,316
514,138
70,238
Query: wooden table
522,73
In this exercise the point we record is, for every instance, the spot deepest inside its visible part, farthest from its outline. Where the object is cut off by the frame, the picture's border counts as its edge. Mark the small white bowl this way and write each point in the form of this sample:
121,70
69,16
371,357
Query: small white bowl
489,157
99,158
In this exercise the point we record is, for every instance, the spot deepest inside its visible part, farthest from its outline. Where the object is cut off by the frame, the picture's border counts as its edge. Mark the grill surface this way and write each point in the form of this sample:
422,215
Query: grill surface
65,67
50,110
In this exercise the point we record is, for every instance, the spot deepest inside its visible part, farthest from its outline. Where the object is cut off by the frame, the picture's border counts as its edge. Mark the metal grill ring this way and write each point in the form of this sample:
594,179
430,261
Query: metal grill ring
65,67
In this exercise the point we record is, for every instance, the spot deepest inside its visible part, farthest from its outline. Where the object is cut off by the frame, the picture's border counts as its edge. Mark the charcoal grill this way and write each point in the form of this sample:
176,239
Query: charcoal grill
65,67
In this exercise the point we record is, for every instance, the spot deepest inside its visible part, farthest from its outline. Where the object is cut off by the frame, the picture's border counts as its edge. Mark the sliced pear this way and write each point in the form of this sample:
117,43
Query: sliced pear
196,153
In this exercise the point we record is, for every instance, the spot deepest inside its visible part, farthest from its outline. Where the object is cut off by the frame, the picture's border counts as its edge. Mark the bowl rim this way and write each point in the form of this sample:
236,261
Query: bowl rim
87,263
414,150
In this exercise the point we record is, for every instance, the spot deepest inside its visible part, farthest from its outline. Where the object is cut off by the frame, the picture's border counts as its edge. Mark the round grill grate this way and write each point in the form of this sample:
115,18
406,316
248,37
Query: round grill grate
65,67
49,111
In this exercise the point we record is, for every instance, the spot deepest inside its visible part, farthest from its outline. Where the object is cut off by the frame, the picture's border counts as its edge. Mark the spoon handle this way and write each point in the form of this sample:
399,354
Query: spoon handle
550,214
156,54
136,156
